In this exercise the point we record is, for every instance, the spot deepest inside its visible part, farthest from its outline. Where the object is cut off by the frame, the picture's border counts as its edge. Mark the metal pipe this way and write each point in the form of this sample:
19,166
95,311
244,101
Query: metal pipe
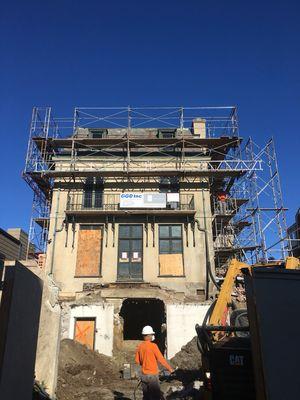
54,233
209,272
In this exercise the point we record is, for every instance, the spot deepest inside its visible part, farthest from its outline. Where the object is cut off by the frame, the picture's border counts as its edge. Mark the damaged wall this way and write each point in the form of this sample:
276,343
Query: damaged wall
104,316
181,321
49,336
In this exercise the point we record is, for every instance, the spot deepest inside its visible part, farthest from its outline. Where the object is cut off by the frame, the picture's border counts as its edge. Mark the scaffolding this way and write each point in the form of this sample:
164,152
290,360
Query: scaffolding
252,226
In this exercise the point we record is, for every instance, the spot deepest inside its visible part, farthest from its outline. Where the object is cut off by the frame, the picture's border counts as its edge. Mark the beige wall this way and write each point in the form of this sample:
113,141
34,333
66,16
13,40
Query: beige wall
62,262
9,248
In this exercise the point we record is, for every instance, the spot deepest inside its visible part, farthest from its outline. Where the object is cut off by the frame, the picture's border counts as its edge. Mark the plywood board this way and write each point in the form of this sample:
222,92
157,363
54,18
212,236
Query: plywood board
85,332
171,264
89,252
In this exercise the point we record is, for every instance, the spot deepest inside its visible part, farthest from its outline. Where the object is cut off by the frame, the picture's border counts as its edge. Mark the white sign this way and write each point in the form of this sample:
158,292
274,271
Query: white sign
173,197
143,200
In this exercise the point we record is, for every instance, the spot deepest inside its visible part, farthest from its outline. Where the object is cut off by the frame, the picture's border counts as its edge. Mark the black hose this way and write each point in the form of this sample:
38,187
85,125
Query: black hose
136,388
204,341
208,266
212,277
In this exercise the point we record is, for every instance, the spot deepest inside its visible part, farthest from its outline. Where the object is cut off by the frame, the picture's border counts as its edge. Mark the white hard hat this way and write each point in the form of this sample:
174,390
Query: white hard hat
147,330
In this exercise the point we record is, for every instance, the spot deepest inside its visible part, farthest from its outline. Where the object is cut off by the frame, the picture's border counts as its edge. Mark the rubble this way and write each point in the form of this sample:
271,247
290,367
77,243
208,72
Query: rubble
83,373
188,358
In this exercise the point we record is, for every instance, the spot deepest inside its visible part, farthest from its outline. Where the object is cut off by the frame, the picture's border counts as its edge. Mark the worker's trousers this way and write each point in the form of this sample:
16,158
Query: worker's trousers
151,387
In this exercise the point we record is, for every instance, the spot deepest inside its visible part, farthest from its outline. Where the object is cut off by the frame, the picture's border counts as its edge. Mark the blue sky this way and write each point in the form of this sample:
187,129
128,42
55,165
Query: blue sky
67,53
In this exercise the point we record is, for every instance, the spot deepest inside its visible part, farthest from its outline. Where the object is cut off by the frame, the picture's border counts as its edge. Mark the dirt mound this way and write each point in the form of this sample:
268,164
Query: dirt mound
83,373
188,358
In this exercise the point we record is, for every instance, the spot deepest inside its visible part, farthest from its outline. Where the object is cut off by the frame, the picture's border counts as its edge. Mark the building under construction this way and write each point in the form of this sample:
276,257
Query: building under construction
140,210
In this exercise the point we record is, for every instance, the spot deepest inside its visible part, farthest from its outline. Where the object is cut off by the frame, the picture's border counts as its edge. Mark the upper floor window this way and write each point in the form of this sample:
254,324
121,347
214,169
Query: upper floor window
166,133
170,239
89,250
169,184
98,133
93,193
170,250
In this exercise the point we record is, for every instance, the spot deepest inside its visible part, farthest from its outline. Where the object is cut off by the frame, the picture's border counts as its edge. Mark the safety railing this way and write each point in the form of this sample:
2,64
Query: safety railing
97,200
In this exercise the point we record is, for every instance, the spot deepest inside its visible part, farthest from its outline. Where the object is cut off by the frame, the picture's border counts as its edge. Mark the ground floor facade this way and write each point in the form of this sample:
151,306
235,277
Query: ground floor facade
110,324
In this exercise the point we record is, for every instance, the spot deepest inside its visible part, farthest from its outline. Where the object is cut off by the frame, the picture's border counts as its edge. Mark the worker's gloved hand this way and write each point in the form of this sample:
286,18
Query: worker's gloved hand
165,373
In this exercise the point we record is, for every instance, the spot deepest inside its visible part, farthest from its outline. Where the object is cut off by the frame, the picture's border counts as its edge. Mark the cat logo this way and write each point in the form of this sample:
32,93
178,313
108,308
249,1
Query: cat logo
236,360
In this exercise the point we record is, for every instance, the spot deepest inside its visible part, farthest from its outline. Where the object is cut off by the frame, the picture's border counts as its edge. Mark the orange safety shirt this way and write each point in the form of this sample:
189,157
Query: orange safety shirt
147,355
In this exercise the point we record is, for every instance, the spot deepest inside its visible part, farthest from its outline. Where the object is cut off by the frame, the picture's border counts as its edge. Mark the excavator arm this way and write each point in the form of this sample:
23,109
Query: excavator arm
220,311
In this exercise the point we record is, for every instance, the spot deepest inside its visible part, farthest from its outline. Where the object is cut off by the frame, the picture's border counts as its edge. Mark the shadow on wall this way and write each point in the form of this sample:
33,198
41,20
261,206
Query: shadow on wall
19,320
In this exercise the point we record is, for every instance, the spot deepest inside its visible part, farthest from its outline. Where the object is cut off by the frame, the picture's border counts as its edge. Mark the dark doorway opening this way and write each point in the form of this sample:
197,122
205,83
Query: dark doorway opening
137,313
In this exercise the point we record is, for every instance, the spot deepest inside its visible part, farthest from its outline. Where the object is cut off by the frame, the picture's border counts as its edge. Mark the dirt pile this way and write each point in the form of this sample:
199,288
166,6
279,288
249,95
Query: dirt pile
84,374
188,358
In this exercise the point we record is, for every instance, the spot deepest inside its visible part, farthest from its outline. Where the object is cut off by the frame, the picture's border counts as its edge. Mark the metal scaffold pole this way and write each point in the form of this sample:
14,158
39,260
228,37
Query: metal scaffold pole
248,176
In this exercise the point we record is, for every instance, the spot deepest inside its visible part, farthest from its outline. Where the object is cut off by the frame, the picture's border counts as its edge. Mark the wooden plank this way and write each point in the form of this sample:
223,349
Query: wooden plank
89,252
85,332
171,264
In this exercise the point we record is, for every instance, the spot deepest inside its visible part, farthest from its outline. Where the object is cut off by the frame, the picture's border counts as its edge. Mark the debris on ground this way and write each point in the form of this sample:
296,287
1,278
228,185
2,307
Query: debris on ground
85,374
188,358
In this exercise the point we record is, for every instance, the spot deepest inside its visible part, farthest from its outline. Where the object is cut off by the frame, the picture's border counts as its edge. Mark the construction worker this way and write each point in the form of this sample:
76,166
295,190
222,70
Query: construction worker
222,202
147,356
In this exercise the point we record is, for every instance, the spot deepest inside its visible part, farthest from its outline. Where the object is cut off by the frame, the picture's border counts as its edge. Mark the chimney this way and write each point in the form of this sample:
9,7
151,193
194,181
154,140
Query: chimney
199,127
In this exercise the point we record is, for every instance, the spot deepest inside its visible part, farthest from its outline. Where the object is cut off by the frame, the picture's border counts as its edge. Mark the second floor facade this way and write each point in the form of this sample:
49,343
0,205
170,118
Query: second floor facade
103,235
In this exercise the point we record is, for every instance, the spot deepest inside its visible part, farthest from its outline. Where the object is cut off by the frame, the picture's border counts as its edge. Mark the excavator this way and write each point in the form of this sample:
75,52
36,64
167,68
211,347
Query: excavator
232,359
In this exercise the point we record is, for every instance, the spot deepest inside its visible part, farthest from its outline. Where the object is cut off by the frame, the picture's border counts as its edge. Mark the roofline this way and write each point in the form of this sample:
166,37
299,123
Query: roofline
8,236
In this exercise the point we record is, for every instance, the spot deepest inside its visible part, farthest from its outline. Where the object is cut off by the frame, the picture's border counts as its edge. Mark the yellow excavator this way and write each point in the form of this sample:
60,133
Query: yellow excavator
224,338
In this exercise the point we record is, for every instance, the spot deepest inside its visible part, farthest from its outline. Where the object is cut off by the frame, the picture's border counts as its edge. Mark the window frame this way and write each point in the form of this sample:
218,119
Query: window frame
93,189
130,238
164,132
83,226
170,238
98,131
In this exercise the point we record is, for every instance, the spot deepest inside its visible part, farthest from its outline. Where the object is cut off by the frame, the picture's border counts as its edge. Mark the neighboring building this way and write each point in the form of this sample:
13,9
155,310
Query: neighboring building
14,244
294,236
139,221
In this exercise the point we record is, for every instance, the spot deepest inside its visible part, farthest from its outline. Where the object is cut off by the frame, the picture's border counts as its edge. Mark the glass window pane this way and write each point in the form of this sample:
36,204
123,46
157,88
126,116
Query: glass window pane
136,245
98,198
136,231
176,231
164,231
176,246
90,227
124,231
124,246
164,246
88,199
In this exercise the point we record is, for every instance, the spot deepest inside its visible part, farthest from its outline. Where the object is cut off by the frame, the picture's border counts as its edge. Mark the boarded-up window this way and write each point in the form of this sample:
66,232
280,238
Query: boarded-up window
170,250
89,250
85,331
